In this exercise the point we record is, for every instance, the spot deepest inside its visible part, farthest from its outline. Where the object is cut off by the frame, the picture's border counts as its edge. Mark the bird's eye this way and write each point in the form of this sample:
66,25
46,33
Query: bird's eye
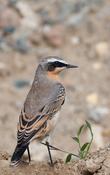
51,67
59,64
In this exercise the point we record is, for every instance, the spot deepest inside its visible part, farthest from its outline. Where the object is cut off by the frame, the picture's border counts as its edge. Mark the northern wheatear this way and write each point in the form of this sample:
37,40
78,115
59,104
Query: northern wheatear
44,100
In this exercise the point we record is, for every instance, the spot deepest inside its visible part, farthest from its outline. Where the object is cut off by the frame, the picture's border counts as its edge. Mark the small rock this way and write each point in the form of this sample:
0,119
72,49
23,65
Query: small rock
75,40
21,83
4,46
98,113
107,163
92,167
54,35
97,65
29,19
92,99
102,49
4,71
9,18
35,38
8,30
22,45
12,2
77,19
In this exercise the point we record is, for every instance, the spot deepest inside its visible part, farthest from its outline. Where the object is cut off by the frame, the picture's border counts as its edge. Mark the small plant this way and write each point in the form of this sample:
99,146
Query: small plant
83,149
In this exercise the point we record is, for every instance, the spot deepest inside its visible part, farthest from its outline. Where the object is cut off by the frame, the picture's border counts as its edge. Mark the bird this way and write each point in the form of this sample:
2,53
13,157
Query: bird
45,98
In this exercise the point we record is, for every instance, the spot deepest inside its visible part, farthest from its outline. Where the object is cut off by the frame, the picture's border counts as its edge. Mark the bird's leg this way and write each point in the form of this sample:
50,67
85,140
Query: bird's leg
29,156
50,156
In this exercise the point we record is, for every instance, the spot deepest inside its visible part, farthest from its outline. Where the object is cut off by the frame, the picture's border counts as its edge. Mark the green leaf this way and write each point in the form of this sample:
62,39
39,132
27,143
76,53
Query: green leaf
80,130
68,158
84,146
89,126
76,139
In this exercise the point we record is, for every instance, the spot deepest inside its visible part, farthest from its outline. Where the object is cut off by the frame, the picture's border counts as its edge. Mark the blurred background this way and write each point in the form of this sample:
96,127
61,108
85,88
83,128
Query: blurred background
79,32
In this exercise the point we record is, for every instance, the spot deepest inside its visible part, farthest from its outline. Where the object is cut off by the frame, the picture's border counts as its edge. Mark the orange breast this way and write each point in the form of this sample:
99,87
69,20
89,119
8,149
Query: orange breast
54,76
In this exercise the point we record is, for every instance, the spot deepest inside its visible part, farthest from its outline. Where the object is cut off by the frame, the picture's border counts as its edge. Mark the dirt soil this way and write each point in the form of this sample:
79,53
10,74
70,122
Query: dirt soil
97,163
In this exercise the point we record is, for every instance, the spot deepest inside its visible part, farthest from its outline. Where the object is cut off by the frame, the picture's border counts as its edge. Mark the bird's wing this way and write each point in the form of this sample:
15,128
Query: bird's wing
27,129
55,102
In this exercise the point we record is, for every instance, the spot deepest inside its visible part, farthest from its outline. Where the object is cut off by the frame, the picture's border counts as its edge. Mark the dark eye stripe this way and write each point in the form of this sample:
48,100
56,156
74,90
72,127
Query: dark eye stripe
59,64
52,66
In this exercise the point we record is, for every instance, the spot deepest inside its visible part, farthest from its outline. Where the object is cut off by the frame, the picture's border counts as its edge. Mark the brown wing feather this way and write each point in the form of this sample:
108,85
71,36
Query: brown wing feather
37,125
27,128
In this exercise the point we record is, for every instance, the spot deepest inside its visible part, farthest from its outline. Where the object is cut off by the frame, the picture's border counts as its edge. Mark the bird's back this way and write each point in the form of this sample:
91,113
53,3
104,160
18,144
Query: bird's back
39,95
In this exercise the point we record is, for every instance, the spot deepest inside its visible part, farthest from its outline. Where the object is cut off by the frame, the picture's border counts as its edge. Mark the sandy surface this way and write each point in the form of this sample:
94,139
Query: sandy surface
97,163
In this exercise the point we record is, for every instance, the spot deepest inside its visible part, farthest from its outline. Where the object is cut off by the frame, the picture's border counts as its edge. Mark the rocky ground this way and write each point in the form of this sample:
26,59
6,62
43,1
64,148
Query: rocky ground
79,32
96,163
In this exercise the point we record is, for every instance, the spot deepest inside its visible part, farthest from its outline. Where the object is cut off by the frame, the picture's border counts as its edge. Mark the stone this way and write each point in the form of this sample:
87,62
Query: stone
22,45
97,65
4,45
102,49
12,2
75,40
9,19
21,83
92,167
35,38
92,98
54,35
29,18
4,71
97,113
8,29
77,19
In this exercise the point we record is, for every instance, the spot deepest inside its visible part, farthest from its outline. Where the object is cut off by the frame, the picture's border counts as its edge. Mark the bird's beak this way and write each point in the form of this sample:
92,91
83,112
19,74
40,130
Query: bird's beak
71,66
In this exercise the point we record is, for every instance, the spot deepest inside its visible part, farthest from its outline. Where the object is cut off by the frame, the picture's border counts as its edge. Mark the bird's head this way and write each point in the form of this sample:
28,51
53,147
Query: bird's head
53,65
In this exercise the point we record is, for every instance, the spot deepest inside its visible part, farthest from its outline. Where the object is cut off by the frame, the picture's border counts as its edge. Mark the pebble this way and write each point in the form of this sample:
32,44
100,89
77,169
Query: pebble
54,35
93,165
29,18
4,71
102,49
22,45
9,29
35,38
92,98
96,114
9,18
12,2
4,45
21,83
75,40
77,19
97,65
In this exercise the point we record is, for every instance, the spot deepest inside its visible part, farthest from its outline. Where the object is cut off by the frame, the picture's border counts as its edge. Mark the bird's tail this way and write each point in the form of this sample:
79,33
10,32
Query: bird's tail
17,155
